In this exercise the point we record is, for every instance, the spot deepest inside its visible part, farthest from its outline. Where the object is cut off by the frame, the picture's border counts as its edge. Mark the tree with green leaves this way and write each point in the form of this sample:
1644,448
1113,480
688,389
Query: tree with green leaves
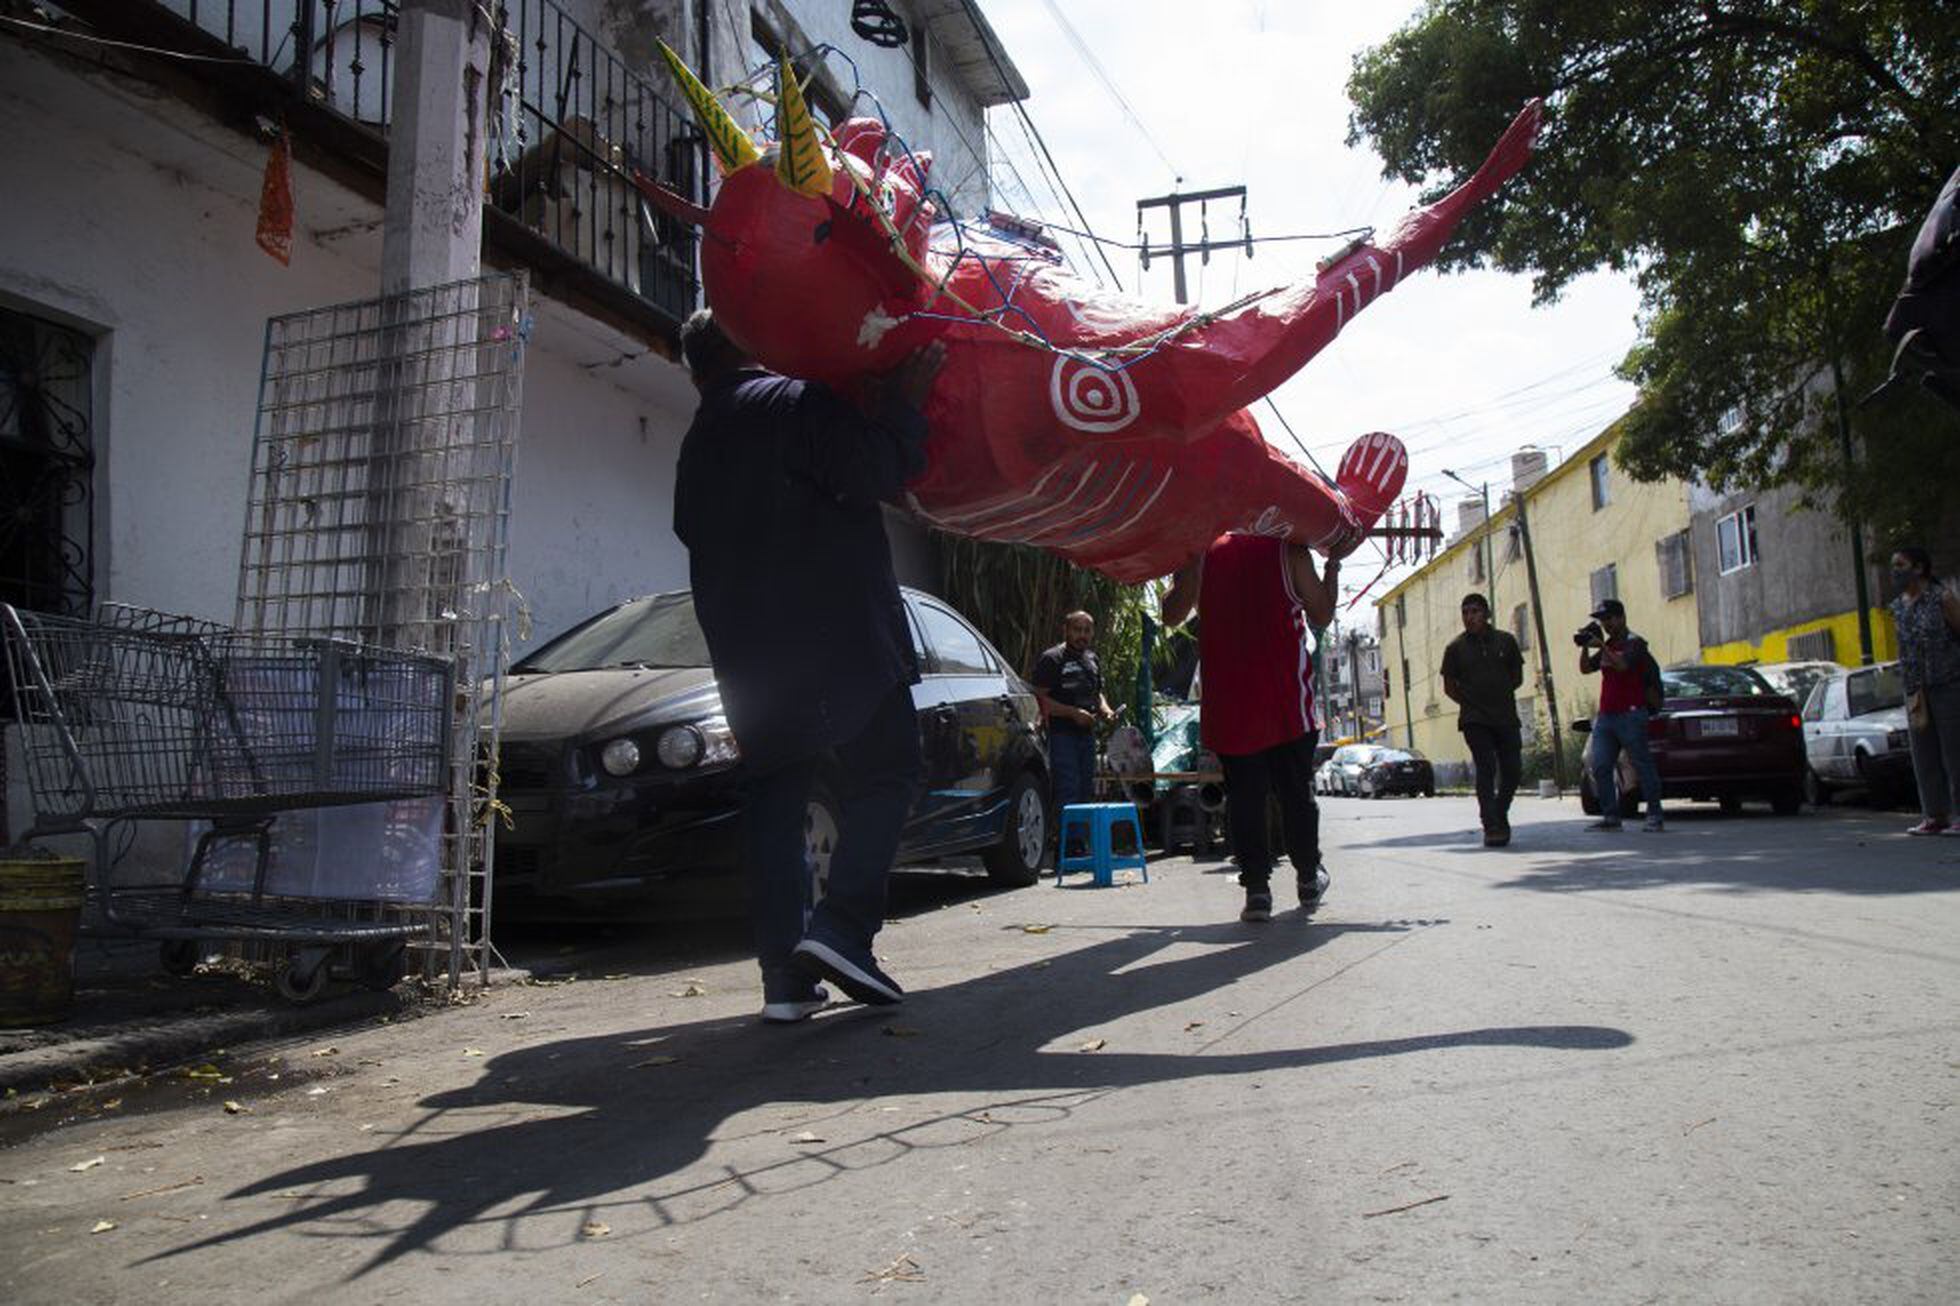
1759,166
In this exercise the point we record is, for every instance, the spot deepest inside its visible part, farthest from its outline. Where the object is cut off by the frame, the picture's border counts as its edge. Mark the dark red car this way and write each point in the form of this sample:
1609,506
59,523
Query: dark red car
1724,735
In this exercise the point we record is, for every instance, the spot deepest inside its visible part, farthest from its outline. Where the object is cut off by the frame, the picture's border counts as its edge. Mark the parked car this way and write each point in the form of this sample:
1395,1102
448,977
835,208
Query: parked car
1854,733
1396,771
1342,772
1723,734
1795,680
619,768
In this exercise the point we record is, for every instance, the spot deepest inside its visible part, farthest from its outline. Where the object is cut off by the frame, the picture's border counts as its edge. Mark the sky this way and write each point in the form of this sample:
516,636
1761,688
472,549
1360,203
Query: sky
1245,92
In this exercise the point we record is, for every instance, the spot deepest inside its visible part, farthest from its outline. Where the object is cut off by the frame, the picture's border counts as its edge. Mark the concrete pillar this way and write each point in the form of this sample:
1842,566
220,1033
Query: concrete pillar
433,231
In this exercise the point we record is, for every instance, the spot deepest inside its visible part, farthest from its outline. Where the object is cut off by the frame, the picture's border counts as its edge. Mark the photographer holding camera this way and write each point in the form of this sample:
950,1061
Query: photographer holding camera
1629,692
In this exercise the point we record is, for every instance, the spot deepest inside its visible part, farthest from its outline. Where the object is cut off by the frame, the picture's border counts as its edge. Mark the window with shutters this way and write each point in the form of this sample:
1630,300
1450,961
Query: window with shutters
1605,584
1676,561
1601,489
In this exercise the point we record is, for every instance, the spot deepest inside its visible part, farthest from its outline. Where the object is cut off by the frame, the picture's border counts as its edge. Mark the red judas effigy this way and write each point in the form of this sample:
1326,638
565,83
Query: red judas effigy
1112,432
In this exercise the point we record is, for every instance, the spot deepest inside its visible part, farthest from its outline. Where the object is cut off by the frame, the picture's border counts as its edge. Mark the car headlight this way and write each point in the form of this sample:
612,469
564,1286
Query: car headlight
680,747
1898,739
620,757
707,742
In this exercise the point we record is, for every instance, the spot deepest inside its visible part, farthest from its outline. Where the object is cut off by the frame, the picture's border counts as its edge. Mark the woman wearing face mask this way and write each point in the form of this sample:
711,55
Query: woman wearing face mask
1928,617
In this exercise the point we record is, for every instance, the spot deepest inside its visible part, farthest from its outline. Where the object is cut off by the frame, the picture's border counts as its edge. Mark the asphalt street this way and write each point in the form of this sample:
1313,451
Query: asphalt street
1715,1064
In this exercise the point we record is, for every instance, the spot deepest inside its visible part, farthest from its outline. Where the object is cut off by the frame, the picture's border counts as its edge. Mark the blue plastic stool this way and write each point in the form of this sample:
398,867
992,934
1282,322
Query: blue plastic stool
1097,824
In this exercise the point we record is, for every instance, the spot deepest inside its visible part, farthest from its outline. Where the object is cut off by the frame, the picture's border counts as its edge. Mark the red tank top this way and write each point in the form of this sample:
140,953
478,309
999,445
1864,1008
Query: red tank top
1254,648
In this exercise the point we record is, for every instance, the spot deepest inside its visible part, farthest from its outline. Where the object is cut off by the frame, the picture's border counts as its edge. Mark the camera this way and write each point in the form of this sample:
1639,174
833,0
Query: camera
1589,634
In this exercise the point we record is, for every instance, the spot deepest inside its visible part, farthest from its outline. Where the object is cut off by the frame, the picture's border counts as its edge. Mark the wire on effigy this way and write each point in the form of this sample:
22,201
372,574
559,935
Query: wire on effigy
756,84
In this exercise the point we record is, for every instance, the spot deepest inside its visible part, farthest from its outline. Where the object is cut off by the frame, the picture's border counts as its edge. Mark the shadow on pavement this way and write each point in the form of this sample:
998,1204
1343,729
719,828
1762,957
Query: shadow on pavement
631,1117
700,921
1742,852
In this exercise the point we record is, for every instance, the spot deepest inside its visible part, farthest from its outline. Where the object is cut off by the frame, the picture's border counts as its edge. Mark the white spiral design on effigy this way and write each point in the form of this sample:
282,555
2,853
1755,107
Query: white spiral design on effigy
1090,399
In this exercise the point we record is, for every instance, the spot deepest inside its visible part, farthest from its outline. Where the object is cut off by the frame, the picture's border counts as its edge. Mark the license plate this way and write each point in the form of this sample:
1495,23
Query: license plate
1718,726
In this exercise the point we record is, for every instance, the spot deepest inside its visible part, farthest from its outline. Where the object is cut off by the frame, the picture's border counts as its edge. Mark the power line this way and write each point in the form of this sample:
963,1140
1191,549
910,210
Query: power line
1020,110
1101,74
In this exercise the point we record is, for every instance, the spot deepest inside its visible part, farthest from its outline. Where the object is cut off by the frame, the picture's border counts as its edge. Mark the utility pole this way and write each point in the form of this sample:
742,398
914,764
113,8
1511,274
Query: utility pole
1354,681
1865,655
1490,562
1544,649
1177,249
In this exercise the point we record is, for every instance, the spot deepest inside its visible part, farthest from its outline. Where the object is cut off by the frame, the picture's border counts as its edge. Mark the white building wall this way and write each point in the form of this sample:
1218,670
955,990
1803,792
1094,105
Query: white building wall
953,127
133,217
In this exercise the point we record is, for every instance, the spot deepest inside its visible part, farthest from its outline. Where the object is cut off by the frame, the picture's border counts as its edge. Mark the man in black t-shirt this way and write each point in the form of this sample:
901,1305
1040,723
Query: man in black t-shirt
1068,681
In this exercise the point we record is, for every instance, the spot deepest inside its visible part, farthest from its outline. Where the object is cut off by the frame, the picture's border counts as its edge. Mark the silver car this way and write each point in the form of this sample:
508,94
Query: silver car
1341,773
1854,734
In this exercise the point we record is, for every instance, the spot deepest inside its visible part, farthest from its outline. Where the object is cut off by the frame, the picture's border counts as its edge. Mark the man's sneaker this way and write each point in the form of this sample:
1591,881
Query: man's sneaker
1312,887
792,1010
853,971
1929,826
1653,825
1605,823
1258,905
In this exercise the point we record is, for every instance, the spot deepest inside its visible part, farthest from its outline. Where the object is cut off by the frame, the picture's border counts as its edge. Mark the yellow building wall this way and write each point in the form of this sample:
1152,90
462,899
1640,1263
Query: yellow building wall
1571,540
1775,646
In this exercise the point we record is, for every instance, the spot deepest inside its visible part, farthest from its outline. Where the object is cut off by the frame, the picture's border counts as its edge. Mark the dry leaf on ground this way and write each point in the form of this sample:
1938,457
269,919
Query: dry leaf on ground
1093,1045
902,1270
1036,929
900,1031
653,1061
103,1226
234,1108
80,1166
806,1137
594,1229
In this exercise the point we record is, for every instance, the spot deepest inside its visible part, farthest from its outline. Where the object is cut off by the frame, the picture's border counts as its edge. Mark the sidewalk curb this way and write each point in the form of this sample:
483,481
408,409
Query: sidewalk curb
151,1048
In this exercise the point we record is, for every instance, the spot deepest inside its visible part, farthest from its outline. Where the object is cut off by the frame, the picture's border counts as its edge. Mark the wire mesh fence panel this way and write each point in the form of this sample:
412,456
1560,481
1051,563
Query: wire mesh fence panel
378,511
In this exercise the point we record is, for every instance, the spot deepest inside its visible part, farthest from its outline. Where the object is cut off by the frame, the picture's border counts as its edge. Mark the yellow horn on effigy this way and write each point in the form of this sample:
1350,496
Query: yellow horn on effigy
732,146
800,161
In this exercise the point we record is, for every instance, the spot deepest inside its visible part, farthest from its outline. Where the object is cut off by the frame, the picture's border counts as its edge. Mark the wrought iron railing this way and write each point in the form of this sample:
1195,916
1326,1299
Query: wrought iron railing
570,119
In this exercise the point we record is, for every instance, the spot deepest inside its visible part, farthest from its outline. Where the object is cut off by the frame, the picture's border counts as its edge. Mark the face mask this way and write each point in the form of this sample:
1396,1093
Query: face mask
1901,577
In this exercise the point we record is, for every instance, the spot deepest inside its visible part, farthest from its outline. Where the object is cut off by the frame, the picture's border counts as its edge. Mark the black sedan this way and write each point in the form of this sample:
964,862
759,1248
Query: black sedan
1396,771
1723,733
619,769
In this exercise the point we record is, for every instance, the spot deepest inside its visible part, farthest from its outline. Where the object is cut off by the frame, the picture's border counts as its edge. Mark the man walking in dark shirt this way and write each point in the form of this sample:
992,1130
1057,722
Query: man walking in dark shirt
1068,682
777,499
1482,669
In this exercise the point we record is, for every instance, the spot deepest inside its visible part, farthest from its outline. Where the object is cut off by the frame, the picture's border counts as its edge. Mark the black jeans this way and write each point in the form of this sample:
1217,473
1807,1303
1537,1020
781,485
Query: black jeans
874,779
1284,769
1497,754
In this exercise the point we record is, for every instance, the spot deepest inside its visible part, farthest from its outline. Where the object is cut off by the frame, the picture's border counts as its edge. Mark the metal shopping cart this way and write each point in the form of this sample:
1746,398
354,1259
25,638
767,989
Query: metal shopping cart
133,715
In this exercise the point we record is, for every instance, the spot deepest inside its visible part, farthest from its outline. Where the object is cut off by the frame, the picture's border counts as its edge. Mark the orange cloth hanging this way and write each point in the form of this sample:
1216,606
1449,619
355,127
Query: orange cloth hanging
275,233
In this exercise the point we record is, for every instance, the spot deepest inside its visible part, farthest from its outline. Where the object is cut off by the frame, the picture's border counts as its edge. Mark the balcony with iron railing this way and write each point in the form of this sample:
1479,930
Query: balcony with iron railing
569,120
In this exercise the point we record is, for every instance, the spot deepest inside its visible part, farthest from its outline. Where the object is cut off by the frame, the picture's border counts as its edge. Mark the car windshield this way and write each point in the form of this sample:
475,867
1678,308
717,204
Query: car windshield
1797,681
1394,755
656,632
1714,682
1874,690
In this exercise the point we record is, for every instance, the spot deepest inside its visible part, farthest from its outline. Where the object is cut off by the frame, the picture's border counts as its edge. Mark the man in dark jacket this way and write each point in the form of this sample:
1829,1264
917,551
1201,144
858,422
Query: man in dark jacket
1482,669
777,499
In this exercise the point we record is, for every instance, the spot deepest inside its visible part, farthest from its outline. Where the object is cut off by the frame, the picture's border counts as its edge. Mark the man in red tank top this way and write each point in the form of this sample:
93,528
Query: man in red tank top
1259,600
